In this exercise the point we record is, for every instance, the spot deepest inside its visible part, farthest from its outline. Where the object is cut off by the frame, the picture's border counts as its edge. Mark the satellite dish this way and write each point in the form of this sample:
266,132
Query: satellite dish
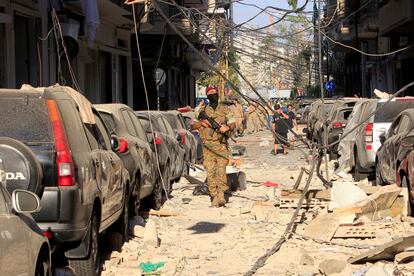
159,76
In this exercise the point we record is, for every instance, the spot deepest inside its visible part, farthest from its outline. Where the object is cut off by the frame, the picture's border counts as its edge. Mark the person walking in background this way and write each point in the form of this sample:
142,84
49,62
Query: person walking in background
256,118
292,121
238,116
251,111
280,126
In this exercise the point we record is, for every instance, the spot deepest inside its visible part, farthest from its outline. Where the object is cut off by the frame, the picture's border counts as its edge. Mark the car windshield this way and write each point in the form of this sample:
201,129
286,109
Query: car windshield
171,119
25,119
388,111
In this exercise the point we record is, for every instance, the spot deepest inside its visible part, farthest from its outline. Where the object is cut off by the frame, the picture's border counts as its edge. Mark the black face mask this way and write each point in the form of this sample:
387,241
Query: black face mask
213,100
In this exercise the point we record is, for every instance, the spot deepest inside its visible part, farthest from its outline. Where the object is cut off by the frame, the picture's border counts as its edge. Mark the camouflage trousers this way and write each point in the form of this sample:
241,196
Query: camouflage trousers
215,162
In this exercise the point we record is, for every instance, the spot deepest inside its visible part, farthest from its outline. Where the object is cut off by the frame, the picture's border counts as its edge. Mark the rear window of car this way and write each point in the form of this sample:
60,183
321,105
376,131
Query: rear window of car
109,122
171,119
25,119
388,111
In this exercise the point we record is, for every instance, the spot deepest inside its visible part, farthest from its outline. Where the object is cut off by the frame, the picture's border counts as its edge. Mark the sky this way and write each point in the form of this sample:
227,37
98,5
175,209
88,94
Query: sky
243,13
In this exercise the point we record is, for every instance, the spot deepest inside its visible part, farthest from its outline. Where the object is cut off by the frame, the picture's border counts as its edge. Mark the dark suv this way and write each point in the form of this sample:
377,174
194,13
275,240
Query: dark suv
84,186
135,152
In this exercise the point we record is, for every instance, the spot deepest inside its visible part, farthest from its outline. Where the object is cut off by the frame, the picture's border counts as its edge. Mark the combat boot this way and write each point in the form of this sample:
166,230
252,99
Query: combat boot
215,202
221,199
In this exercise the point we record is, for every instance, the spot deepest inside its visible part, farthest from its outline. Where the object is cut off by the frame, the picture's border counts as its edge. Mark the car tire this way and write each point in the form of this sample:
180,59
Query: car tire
91,265
43,266
378,178
17,157
135,200
154,200
122,225
333,156
358,175
406,184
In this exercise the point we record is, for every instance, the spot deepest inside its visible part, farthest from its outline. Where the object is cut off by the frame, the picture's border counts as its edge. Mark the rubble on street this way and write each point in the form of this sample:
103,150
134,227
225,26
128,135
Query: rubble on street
353,228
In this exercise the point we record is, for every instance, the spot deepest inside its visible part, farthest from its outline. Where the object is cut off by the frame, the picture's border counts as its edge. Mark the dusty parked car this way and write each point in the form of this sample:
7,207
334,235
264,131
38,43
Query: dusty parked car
395,146
367,136
341,103
136,154
168,145
405,177
189,142
315,119
25,250
85,184
336,127
189,118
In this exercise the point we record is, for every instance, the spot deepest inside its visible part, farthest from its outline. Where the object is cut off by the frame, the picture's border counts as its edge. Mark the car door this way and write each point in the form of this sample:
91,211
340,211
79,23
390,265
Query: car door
15,239
143,149
178,149
403,141
387,153
112,168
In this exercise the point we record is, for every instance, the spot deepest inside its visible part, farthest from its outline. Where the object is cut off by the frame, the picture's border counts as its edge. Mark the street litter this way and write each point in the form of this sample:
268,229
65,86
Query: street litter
163,212
270,184
150,267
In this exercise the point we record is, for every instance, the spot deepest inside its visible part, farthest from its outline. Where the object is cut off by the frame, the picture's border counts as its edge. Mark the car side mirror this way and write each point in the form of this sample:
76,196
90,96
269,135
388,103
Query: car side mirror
25,202
382,138
114,143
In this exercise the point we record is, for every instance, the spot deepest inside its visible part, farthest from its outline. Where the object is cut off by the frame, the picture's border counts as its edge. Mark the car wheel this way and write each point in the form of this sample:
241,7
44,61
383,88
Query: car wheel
378,178
43,266
91,265
406,184
358,175
123,221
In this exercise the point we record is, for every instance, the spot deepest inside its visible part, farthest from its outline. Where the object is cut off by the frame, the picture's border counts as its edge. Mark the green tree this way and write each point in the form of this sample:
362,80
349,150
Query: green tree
293,3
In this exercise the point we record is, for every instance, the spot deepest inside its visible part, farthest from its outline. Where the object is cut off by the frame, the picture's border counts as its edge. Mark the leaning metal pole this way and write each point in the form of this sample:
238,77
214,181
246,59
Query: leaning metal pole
324,138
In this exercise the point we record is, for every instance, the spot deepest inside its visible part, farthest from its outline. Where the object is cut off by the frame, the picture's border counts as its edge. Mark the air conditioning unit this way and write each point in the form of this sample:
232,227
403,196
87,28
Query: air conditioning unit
384,45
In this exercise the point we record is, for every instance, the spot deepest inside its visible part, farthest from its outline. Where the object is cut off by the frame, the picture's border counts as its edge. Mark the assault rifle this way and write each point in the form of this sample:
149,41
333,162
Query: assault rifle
214,125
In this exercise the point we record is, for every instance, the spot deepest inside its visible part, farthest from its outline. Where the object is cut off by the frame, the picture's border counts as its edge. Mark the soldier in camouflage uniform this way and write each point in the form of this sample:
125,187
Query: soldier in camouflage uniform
215,145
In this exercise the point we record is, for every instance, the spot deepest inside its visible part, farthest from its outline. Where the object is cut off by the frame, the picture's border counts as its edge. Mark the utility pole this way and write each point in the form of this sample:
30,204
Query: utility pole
224,63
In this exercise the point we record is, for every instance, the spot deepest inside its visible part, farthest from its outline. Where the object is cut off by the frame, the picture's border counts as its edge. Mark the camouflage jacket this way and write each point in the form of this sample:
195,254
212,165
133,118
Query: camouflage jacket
221,115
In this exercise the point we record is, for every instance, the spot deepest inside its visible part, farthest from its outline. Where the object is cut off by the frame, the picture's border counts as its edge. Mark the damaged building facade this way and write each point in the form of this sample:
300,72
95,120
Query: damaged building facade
357,23
101,47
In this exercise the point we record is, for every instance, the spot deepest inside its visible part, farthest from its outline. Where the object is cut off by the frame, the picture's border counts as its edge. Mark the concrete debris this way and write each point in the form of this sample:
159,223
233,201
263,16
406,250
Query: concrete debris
385,252
370,206
355,232
151,234
264,143
264,211
306,259
329,267
353,194
380,269
323,227
166,211
137,231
